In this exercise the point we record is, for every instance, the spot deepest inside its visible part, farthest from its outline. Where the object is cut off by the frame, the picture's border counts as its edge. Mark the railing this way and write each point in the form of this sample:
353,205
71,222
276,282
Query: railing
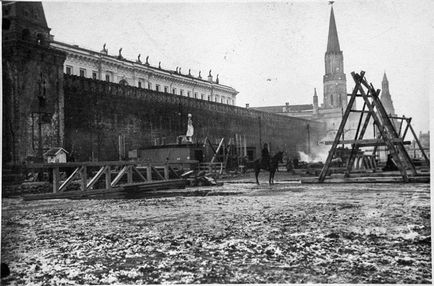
120,169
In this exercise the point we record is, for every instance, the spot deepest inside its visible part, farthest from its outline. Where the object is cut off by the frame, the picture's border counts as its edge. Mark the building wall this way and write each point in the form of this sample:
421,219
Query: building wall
32,84
99,65
98,112
25,68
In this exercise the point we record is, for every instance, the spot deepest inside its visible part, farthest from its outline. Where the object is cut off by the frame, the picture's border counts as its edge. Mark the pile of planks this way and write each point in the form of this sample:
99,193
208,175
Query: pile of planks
199,178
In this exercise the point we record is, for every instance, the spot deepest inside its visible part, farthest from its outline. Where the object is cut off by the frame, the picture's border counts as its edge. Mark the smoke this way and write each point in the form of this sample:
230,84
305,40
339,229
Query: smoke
318,154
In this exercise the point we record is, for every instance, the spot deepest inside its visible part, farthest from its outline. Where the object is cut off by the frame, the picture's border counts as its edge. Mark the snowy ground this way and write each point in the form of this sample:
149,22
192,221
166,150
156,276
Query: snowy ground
288,233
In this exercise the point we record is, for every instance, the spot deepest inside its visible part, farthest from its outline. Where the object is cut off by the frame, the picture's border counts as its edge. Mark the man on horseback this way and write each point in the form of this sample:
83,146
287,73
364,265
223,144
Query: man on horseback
265,157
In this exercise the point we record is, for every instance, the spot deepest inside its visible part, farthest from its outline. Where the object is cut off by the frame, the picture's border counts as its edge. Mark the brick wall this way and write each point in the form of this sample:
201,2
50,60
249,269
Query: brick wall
98,112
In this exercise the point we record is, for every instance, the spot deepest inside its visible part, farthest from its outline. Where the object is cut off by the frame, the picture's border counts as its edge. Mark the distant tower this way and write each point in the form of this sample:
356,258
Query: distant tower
385,97
315,103
335,83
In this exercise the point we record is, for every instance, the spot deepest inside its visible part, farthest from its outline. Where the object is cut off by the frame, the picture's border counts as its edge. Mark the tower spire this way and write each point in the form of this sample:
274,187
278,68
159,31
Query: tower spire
333,41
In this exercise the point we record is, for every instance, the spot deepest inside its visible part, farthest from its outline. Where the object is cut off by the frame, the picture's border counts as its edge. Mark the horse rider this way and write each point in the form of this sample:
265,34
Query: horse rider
265,157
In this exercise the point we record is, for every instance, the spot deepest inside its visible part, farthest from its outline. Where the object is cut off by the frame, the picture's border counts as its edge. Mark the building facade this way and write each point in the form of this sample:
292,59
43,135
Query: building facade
117,69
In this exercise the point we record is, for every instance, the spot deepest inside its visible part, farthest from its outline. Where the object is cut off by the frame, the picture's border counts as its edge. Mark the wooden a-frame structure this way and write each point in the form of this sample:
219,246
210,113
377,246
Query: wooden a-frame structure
388,136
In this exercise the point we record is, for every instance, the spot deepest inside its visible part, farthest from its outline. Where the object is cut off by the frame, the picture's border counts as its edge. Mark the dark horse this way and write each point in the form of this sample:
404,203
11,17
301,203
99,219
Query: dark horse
274,162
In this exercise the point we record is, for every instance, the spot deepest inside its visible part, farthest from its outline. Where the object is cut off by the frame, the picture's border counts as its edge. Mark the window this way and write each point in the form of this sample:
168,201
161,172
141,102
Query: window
68,70
195,95
25,35
181,92
83,72
149,85
222,100
174,90
188,93
157,87
140,84
209,98
107,77
166,89
94,75
331,99
202,96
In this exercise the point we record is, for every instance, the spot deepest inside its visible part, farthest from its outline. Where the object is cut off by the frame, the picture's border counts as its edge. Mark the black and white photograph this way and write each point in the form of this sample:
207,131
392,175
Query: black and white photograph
216,142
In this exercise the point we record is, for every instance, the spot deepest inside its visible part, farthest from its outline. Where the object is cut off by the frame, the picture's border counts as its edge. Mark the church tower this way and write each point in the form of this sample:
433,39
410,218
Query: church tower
335,84
385,97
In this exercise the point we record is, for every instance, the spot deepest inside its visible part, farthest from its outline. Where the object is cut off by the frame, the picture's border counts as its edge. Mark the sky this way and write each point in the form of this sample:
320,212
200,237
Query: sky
270,52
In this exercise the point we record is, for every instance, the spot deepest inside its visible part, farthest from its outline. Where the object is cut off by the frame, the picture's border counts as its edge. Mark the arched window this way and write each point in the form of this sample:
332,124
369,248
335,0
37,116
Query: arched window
123,82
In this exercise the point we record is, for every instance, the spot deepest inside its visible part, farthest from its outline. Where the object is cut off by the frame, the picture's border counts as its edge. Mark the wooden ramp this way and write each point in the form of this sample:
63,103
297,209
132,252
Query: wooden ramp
128,191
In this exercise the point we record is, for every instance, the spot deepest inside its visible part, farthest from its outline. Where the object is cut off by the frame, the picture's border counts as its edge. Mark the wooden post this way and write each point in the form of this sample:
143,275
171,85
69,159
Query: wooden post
108,179
149,173
418,144
166,172
130,174
83,174
56,179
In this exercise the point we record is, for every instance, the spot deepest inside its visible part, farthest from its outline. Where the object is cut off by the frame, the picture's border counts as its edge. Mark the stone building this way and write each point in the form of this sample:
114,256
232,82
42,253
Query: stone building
140,73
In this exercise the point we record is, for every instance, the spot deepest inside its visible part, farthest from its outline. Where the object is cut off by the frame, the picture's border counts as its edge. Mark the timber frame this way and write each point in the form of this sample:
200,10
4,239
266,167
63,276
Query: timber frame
387,134
108,169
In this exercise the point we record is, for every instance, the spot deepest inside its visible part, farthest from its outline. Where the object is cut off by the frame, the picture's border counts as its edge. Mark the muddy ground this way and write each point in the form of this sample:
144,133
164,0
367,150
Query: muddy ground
237,233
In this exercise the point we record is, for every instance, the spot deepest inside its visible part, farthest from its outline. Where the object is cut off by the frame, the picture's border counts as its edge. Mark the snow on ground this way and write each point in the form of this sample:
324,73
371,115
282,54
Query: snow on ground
287,233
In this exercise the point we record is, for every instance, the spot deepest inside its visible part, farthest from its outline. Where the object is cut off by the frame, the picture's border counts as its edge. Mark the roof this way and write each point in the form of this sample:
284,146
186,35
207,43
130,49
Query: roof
333,41
280,108
54,151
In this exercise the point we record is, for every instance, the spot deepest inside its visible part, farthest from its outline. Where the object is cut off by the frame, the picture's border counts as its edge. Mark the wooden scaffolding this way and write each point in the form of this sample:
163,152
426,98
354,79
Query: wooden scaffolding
387,134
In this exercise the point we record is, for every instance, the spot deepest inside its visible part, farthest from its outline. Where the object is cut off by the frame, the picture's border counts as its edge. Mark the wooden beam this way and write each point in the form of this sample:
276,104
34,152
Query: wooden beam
56,179
129,174
368,142
96,177
69,180
83,174
360,111
158,173
119,176
108,178
138,173
149,173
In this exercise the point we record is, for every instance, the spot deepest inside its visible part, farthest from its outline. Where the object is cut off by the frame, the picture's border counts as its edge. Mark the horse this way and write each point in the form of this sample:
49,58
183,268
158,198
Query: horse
274,163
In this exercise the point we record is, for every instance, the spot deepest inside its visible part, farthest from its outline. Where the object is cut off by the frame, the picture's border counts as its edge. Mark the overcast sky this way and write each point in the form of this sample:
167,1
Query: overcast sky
271,52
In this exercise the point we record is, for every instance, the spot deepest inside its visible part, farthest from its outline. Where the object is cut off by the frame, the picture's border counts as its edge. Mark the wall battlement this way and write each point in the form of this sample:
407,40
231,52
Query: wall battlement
91,86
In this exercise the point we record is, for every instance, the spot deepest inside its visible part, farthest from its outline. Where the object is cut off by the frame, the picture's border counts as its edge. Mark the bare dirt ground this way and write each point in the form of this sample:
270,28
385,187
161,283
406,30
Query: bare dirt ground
237,233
